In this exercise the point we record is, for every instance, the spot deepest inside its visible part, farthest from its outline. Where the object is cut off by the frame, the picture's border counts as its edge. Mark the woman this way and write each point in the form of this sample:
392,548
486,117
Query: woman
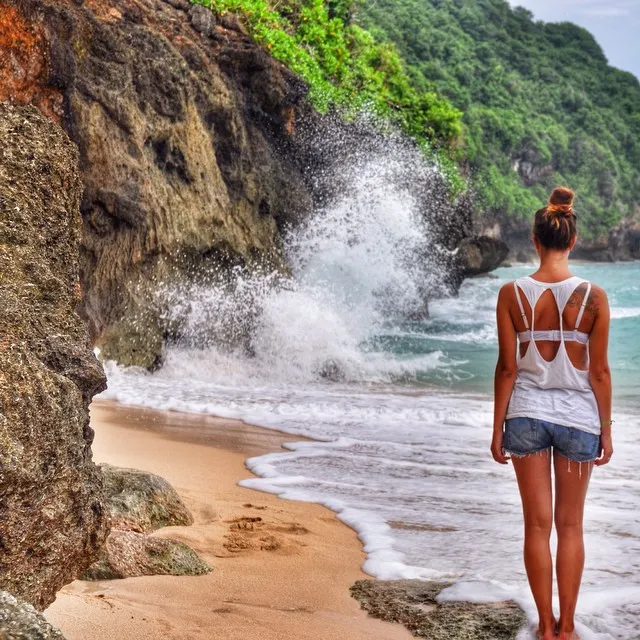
553,404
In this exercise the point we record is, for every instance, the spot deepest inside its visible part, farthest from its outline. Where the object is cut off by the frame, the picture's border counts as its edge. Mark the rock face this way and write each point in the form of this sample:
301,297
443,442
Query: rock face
141,501
20,621
413,603
52,516
193,150
622,243
182,125
128,554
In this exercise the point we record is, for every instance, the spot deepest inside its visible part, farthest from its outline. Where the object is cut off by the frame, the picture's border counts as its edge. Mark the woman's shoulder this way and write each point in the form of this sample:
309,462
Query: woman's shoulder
596,302
507,293
598,297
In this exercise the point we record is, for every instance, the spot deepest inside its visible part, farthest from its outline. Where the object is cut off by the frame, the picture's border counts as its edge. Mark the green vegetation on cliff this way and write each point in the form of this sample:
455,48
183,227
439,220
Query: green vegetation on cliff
344,65
541,105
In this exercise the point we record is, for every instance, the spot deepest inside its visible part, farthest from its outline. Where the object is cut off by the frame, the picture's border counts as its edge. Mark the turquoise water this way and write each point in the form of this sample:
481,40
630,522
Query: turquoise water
463,329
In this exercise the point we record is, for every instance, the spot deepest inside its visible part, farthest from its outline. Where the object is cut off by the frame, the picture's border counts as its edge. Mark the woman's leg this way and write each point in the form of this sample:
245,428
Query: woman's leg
534,481
572,482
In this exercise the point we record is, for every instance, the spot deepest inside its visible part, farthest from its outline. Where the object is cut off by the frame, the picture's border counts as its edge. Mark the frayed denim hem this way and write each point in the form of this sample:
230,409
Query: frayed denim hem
538,452
578,462
547,450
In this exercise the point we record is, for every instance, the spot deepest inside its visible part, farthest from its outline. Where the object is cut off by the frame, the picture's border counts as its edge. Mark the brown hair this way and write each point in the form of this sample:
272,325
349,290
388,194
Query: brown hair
555,225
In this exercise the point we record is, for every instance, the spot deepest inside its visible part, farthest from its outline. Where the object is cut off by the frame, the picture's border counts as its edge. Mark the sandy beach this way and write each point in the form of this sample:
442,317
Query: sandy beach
282,577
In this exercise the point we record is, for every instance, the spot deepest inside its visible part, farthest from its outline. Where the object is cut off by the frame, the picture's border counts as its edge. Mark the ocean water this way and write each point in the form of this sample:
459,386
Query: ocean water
399,409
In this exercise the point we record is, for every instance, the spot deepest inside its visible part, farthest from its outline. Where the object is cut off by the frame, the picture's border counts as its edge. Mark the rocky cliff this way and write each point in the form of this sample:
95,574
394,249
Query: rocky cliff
194,143
52,516
182,123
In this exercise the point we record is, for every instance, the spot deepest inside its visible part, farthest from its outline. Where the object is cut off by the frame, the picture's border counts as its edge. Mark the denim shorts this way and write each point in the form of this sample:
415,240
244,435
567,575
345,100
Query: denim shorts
523,436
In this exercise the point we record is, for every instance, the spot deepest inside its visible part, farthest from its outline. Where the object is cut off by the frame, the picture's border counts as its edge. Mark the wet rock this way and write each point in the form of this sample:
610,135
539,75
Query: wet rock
20,621
128,554
481,254
413,604
52,514
140,501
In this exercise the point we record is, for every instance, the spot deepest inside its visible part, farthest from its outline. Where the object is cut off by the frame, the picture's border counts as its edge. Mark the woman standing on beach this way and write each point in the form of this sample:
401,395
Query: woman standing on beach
553,404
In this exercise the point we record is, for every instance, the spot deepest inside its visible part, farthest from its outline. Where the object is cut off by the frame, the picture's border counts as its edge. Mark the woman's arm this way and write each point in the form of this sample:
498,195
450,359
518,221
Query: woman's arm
506,370
599,372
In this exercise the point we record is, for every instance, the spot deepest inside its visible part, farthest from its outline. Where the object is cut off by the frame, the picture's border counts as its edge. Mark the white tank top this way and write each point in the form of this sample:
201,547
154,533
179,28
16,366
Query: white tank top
555,390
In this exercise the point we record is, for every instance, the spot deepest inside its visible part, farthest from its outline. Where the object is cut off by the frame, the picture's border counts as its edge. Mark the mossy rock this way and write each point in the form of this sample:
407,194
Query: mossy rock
413,604
20,621
141,501
128,554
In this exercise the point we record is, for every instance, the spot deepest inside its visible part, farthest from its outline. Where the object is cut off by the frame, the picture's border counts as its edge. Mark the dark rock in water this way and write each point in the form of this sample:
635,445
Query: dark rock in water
128,554
481,254
141,501
413,604
52,514
20,621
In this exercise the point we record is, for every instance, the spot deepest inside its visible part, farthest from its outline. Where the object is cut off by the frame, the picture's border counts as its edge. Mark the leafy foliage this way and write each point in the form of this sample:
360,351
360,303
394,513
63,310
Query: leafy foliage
541,105
344,65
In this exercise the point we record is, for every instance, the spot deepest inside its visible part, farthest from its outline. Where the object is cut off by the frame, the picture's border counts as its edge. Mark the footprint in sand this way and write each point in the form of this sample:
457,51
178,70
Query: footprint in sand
256,534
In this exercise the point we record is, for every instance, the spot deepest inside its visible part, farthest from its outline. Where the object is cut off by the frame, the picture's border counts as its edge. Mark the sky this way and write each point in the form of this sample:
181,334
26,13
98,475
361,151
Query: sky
614,23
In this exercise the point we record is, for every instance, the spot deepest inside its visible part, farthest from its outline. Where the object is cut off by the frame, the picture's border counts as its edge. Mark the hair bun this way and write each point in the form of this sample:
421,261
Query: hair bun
561,202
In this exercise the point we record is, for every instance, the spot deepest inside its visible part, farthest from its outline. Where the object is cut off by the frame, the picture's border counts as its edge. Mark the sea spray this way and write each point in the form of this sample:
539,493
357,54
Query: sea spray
364,264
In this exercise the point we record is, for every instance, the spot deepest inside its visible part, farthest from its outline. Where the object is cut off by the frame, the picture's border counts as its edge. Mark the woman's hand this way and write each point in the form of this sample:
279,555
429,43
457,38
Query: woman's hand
496,448
606,450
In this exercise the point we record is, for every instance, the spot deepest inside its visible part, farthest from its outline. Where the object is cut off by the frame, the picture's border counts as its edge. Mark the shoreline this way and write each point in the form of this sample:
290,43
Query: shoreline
286,575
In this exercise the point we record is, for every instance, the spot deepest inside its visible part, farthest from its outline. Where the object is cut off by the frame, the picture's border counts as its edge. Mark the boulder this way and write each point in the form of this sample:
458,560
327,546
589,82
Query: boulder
481,254
128,554
20,621
413,603
52,514
141,501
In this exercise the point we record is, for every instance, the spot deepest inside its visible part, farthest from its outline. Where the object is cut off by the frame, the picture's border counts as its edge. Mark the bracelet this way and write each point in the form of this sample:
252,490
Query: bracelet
605,422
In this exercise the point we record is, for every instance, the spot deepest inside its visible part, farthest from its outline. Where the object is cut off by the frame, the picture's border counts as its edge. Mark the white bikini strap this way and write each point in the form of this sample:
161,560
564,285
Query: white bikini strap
522,313
584,304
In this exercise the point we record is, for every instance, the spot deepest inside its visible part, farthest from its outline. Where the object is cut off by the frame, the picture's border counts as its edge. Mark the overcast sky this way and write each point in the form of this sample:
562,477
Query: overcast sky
614,23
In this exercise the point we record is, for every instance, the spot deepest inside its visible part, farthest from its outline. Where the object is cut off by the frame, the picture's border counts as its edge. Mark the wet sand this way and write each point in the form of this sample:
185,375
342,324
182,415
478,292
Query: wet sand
282,569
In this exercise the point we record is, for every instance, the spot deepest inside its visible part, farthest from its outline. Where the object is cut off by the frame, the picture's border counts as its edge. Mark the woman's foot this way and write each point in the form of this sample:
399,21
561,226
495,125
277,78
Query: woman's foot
567,635
546,631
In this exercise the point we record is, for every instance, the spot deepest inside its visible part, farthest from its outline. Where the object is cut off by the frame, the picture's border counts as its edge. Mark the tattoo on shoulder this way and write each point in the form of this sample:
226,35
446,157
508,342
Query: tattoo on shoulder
593,303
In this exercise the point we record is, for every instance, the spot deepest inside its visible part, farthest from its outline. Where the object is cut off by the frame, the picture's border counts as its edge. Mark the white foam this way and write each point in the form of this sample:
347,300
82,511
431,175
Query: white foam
618,313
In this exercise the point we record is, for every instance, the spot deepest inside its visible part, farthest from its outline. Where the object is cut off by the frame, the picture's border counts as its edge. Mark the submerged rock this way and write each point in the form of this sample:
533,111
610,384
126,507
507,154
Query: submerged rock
128,554
20,621
413,604
141,501
52,515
